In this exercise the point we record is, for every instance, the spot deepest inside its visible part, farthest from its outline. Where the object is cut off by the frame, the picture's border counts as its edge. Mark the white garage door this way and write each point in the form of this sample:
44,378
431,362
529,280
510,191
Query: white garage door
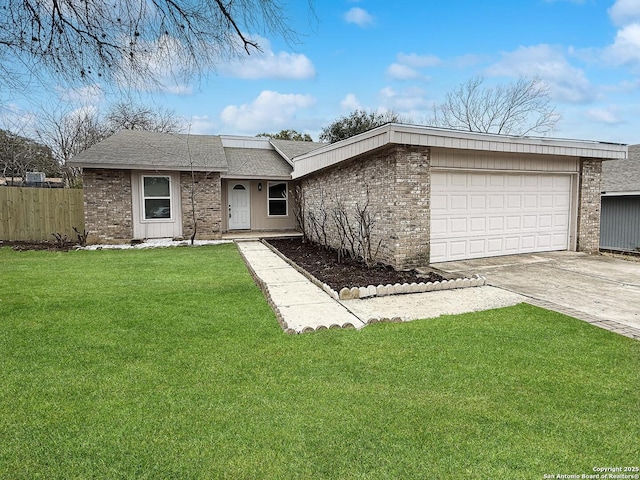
476,215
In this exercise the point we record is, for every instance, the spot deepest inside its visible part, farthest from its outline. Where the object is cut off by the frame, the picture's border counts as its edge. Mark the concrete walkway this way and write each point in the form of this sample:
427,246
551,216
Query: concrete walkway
299,305
598,289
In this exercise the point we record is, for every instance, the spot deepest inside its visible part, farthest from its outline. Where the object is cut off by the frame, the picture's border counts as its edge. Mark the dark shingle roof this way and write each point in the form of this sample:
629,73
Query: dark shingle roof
622,175
139,150
256,162
292,148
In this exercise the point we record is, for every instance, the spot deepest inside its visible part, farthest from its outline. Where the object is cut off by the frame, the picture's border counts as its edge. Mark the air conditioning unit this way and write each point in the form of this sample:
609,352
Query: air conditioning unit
35,177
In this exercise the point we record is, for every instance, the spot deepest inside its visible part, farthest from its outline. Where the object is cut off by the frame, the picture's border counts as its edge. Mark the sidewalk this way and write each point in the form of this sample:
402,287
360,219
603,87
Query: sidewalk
302,307
299,305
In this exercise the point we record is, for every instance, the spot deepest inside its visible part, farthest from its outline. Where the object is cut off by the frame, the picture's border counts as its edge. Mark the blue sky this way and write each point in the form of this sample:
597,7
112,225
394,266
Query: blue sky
406,55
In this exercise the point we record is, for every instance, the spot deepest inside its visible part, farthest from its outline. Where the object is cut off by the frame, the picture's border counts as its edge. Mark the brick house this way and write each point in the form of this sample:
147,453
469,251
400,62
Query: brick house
434,194
140,185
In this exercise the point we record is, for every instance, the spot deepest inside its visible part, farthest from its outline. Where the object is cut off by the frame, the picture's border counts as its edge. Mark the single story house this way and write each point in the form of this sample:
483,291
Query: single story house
431,194
620,216
140,185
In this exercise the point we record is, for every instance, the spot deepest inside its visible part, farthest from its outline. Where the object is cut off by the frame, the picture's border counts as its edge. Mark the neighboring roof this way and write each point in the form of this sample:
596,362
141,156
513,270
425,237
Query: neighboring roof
247,162
290,149
393,133
622,177
133,149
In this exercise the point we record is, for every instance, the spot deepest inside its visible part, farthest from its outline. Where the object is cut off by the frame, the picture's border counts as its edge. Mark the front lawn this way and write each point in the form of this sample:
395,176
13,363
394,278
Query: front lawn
169,363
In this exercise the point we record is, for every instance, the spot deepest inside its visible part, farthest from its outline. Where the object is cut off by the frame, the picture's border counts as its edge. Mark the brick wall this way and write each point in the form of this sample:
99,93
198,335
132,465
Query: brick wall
395,183
412,209
589,205
107,204
207,200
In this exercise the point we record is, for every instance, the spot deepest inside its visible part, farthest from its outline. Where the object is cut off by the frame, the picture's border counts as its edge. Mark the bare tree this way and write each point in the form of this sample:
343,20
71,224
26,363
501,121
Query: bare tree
68,131
19,155
95,40
519,108
130,116
300,210
366,222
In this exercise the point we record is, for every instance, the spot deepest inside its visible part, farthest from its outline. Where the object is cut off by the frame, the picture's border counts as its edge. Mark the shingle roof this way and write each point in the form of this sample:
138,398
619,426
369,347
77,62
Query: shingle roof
139,150
622,175
254,161
293,148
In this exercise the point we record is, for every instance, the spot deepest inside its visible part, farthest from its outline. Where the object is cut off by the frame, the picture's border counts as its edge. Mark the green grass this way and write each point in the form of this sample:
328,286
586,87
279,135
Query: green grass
169,363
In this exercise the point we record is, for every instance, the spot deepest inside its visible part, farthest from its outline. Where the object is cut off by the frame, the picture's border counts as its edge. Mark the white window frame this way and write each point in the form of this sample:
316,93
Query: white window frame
144,198
286,198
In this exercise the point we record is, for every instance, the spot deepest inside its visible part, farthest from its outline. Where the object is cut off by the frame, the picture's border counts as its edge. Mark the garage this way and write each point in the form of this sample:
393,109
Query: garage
436,195
478,214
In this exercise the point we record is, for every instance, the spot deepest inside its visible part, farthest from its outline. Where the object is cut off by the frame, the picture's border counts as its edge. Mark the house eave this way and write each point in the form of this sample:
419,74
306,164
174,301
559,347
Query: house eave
155,168
416,135
256,177
628,193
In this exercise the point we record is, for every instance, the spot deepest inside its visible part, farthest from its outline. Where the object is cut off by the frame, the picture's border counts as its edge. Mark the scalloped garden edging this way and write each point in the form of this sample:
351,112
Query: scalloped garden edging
384,290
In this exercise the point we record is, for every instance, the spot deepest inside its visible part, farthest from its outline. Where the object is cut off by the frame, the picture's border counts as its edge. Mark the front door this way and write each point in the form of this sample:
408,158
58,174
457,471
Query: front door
239,206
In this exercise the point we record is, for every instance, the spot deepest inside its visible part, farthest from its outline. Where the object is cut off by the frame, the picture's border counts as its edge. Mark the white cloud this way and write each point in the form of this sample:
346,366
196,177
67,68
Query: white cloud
268,64
176,88
566,82
626,47
87,95
202,125
468,60
626,86
402,72
359,16
408,100
604,115
15,118
350,103
623,12
163,64
406,67
270,111
418,61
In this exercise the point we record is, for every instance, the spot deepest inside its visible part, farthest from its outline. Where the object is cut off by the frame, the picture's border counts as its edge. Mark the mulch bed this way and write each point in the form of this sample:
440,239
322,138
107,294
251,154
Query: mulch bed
23,246
323,264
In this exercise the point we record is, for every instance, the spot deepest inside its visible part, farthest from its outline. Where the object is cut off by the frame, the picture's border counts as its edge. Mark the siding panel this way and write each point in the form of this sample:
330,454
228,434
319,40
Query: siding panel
444,158
620,223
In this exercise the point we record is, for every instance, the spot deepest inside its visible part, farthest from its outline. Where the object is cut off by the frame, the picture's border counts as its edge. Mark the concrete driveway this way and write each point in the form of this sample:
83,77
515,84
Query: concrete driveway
599,289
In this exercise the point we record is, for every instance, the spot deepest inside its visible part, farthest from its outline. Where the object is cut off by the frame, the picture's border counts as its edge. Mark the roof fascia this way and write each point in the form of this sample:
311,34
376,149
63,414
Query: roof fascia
157,168
255,177
393,133
621,194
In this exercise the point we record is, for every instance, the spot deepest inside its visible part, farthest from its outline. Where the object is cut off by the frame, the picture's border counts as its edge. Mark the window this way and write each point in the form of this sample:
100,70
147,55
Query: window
277,197
157,197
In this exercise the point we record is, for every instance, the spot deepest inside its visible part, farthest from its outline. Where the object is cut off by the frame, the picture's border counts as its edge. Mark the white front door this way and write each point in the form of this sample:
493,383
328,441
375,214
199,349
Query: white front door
239,206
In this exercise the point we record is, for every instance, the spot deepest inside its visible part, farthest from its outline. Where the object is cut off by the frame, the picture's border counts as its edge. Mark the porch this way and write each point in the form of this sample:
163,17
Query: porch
244,235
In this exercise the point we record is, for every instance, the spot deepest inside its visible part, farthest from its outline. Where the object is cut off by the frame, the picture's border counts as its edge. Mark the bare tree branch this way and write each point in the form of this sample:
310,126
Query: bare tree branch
89,40
520,108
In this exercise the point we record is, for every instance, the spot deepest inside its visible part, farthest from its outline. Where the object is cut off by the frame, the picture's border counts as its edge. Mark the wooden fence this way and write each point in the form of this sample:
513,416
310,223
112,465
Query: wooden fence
32,214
